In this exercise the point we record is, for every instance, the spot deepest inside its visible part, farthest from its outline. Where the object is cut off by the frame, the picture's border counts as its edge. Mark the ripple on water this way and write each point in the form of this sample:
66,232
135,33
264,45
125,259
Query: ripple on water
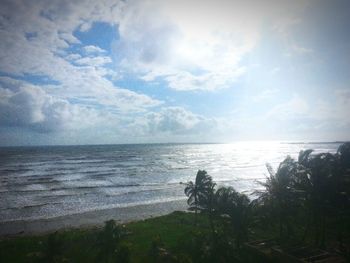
43,182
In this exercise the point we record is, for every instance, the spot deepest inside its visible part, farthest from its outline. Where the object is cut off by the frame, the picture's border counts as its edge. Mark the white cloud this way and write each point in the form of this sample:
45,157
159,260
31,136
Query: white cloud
191,45
333,112
168,124
172,119
51,26
295,107
265,94
68,37
73,57
93,49
194,44
28,106
168,45
93,61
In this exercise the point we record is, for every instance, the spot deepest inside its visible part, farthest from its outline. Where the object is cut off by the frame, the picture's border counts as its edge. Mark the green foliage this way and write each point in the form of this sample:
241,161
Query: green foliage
198,191
53,249
225,201
109,244
237,207
280,195
159,253
314,191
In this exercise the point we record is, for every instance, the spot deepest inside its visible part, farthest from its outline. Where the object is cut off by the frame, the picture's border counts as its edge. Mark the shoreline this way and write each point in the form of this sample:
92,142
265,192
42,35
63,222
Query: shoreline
89,219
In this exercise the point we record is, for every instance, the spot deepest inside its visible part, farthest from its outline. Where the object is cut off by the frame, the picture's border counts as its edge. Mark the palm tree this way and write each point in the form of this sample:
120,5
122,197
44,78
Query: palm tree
343,154
279,193
317,179
237,207
224,199
197,191
343,188
207,204
303,185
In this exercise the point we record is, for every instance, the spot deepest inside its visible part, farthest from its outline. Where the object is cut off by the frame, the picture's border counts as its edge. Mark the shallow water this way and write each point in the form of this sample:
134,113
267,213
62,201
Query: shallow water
50,181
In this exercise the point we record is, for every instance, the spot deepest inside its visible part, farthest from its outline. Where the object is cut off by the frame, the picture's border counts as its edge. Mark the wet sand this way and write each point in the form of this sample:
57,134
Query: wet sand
89,219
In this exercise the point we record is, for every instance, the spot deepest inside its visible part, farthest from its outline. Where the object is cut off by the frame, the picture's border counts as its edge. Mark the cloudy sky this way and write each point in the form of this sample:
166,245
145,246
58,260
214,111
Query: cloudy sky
135,71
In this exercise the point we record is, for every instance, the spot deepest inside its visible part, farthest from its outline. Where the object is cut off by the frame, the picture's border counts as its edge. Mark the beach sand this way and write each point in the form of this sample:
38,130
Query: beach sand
89,219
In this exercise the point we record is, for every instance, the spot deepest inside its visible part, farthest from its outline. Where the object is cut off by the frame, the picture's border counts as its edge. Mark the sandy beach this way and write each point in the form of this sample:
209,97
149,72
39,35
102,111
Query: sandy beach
89,219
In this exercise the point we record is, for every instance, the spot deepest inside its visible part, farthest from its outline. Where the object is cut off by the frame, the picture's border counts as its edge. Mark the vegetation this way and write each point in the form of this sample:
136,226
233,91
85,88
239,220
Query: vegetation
109,244
198,192
305,201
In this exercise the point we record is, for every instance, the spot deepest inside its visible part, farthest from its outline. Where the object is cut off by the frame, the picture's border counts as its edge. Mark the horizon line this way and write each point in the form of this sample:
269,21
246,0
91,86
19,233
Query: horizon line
174,143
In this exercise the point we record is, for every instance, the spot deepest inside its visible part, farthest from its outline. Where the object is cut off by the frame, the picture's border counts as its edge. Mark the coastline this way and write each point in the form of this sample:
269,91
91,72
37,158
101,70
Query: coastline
89,219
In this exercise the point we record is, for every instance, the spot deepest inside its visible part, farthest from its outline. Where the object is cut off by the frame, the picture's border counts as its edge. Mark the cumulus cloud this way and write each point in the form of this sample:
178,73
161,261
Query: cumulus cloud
331,113
93,61
194,45
36,36
91,49
28,106
174,120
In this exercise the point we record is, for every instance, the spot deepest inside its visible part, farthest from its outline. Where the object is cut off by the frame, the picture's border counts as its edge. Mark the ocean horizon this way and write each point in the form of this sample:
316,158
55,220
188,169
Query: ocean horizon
161,143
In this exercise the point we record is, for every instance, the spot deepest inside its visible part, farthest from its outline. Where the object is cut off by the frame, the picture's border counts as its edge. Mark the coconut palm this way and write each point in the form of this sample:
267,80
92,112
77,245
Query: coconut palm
198,191
343,154
207,204
236,206
318,179
343,189
279,193
303,185
224,197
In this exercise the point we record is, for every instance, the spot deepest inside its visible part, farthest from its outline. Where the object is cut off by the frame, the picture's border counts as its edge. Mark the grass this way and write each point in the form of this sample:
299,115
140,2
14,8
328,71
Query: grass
79,245
169,229
174,233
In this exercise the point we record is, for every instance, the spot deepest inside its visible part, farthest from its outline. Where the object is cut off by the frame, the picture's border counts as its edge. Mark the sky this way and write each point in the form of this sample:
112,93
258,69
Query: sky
152,71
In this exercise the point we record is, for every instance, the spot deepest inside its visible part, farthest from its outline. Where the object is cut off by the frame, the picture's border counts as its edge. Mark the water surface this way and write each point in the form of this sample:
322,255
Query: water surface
50,181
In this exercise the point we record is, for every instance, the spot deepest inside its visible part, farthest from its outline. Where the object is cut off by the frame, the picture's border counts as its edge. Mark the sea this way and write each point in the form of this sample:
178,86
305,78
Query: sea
51,181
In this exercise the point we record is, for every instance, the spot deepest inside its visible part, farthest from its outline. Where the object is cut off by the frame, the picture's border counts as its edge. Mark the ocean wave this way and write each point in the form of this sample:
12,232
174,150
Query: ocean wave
91,177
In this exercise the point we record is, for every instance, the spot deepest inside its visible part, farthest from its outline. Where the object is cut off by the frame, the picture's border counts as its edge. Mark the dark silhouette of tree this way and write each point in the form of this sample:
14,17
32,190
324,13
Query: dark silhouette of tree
237,207
303,185
279,194
343,154
207,203
318,179
197,191
316,187
341,202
